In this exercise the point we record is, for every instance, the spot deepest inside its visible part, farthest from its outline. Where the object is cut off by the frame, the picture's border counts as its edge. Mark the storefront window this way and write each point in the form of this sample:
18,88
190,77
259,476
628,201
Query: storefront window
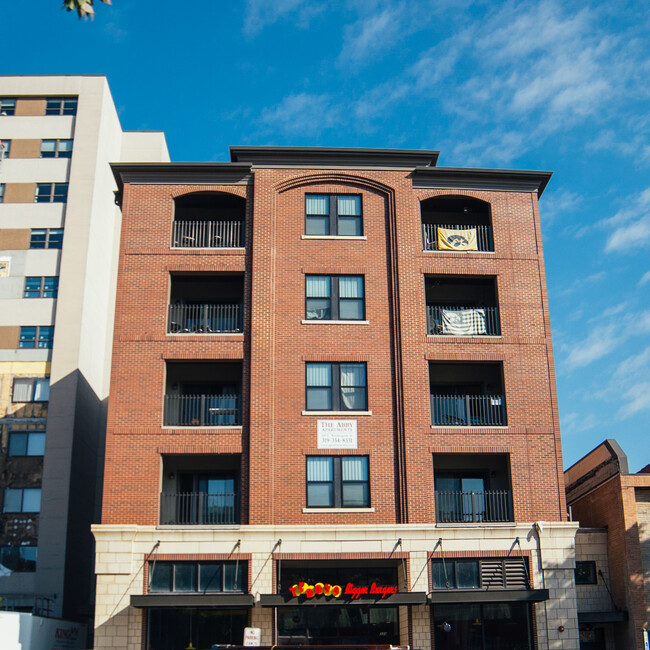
171,628
209,576
482,626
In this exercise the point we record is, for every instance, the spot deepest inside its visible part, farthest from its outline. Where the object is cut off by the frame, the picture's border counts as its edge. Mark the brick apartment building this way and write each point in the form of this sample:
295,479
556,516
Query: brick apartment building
612,548
59,234
333,412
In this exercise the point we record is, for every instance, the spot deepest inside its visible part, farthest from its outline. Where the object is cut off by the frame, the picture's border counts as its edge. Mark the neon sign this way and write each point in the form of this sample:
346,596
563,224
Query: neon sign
354,591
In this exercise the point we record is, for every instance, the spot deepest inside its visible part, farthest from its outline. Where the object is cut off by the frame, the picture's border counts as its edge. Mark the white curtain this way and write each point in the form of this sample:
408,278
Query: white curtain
41,390
22,390
353,374
317,204
350,287
319,374
354,468
319,469
349,205
318,286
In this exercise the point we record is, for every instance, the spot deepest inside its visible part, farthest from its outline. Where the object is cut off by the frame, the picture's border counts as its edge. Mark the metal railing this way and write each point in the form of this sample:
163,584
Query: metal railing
463,321
204,319
202,410
468,410
198,508
467,507
207,234
484,241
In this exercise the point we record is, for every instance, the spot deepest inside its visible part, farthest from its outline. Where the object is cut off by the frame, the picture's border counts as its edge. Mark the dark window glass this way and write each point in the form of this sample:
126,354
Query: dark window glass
455,574
31,390
467,574
338,482
38,238
27,337
7,106
234,577
43,193
336,387
50,287
161,576
334,297
22,500
60,193
185,577
198,576
331,214
210,576
61,106
586,573
32,287
20,559
55,238
26,443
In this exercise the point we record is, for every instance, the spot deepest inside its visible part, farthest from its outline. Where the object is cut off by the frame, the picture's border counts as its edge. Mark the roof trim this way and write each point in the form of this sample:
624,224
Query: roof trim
482,596
514,180
602,617
180,173
334,156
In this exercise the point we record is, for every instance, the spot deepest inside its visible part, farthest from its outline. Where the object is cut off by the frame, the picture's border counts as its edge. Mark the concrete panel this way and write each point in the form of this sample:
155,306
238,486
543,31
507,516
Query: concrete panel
46,127
9,337
32,215
27,356
25,148
30,106
38,170
142,146
14,239
19,192
36,311
42,262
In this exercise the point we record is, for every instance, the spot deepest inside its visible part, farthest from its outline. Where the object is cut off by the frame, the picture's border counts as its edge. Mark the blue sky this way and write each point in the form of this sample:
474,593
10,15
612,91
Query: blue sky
559,86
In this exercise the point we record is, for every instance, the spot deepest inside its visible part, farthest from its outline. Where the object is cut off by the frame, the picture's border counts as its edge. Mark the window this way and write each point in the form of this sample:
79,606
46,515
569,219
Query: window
31,389
19,559
7,106
5,148
336,387
46,238
483,573
26,443
41,287
56,148
333,214
338,482
336,297
198,576
22,500
32,336
61,106
51,193
2,192
586,573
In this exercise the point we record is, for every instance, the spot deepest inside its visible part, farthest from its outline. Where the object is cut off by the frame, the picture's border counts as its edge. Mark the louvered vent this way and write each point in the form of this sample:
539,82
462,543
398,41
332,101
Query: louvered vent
492,574
516,573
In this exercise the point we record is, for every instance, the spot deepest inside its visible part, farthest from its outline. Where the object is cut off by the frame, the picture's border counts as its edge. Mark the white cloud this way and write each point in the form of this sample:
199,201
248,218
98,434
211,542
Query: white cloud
645,278
600,342
631,379
371,35
262,13
578,422
562,204
629,228
302,114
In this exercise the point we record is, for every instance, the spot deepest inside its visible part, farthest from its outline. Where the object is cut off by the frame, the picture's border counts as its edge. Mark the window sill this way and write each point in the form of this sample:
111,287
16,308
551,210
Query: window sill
337,413
470,426
316,321
337,510
353,237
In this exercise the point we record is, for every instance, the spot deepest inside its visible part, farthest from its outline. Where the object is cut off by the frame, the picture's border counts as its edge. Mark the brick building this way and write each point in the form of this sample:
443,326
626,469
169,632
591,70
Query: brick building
613,556
59,233
333,412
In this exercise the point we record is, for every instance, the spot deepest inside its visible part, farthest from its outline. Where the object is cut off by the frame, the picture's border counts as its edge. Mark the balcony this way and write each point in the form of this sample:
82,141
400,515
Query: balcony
468,410
456,223
203,394
462,306
472,488
200,490
467,394
208,220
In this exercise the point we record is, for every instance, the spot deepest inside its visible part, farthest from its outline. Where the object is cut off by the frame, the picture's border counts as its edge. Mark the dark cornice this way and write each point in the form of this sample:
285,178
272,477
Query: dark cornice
331,156
481,179
483,596
190,173
193,600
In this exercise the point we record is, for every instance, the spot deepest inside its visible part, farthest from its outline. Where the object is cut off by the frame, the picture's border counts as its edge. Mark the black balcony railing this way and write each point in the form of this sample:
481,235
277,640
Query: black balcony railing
207,234
198,508
202,410
463,321
473,507
204,319
484,241
468,410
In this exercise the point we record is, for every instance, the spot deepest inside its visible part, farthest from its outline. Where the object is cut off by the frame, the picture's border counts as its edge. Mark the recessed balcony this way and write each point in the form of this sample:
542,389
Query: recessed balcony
472,488
208,220
205,304
456,223
203,394
467,394
462,306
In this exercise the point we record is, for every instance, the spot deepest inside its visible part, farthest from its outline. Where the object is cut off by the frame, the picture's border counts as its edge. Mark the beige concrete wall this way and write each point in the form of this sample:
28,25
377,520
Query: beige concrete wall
38,170
29,148
32,215
121,552
9,337
19,192
14,239
591,545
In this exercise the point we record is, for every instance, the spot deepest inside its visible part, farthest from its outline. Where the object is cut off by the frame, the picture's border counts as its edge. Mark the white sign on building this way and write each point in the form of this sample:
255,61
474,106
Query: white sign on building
252,637
337,434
